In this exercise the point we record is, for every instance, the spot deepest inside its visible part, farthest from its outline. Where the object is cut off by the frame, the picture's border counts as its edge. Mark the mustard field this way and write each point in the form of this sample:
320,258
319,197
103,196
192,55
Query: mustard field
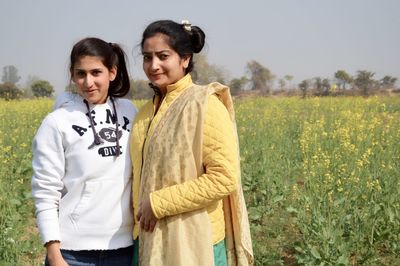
321,178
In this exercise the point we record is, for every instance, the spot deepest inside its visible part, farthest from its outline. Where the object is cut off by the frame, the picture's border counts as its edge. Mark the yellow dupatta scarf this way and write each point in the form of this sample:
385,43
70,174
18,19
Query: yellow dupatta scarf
173,154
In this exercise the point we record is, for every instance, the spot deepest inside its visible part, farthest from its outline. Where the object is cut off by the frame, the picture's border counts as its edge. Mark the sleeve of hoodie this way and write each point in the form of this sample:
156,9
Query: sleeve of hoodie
48,170
220,156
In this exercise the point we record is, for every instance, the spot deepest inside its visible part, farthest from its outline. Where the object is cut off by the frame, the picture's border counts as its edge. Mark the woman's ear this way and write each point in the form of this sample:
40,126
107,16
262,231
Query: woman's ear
71,73
113,73
185,61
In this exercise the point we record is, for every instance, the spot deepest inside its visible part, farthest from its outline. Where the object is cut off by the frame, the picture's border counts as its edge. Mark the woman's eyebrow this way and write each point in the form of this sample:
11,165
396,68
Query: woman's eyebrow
155,52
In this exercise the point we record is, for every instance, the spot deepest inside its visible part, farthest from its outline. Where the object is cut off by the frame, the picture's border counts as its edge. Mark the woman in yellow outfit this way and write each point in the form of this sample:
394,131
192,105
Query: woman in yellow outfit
187,194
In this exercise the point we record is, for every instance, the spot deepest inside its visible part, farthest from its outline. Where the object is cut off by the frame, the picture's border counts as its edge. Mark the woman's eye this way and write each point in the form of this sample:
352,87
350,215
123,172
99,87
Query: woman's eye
146,57
80,73
163,56
96,72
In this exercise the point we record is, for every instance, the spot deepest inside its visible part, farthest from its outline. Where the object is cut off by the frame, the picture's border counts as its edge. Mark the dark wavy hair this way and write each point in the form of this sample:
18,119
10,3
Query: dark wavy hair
184,42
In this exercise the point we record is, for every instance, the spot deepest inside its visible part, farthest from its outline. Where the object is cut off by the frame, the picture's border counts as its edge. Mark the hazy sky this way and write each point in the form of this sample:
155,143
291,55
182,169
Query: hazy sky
302,38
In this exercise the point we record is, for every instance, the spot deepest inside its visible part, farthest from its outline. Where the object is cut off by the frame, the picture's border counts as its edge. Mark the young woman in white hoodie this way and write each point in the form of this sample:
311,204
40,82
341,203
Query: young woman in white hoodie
82,169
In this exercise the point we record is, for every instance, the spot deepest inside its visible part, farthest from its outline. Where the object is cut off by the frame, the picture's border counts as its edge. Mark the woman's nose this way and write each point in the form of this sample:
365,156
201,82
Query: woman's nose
155,64
88,81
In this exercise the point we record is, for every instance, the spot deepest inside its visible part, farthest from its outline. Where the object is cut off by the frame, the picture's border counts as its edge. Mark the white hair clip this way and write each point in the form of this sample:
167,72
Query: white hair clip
186,25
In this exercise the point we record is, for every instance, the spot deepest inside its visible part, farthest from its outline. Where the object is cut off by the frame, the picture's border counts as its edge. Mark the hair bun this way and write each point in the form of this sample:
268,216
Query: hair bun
198,39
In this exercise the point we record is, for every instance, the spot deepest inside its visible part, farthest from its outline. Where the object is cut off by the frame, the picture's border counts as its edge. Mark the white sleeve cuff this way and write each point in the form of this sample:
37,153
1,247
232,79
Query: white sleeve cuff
48,225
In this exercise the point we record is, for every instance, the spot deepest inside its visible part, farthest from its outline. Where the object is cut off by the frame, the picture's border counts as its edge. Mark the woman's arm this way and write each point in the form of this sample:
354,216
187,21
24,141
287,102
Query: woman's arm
48,168
54,255
220,156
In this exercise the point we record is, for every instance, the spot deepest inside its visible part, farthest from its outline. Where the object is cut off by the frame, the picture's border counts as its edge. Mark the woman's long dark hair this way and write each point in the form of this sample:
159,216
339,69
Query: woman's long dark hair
111,55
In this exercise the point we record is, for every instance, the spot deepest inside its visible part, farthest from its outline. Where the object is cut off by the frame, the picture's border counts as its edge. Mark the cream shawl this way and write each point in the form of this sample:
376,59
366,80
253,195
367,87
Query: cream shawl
173,154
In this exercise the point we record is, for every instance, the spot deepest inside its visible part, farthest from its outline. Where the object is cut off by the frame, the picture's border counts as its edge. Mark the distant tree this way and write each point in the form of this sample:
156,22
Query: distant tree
28,86
236,85
204,72
9,91
282,84
10,74
289,79
343,78
304,87
322,86
260,77
326,87
388,82
26,92
318,86
364,81
42,88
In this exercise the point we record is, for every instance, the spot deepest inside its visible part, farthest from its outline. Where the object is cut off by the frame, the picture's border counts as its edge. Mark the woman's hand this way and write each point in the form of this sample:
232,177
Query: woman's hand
54,255
146,216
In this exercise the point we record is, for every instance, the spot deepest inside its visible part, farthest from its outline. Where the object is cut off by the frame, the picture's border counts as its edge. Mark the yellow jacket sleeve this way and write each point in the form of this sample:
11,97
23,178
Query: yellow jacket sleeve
220,157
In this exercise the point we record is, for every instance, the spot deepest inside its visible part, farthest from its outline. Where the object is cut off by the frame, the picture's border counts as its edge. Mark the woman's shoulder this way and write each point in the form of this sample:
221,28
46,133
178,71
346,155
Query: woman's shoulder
215,106
211,88
127,104
146,108
64,99
65,108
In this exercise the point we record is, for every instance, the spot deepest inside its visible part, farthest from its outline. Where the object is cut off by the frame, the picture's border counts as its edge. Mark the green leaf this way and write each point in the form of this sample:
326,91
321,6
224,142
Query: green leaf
391,215
254,213
292,210
299,249
277,198
27,194
315,253
15,202
343,260
338,202
376,209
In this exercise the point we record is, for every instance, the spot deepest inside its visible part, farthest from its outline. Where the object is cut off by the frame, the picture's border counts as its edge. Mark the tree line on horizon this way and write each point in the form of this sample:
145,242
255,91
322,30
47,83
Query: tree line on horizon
258,80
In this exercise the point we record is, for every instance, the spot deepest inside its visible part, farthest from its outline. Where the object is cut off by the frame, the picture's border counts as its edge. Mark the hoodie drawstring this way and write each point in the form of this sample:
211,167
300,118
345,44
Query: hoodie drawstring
97,139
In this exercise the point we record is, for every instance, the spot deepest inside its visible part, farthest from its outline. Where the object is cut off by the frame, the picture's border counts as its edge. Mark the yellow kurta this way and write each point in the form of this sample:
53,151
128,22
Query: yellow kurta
218,174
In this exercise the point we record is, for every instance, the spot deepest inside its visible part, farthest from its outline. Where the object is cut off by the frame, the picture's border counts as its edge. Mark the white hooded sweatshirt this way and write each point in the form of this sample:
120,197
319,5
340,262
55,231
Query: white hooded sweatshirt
82,191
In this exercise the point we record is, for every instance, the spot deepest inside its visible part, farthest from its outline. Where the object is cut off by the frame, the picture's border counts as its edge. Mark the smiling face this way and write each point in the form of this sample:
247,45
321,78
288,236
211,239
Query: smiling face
92,78
162,65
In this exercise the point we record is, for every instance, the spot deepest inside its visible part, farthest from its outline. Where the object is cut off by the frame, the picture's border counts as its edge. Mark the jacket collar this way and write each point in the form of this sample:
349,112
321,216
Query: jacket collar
184,82
178,86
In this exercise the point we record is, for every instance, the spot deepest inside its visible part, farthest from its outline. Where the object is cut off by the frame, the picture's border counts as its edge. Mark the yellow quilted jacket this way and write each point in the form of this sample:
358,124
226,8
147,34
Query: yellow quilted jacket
219,160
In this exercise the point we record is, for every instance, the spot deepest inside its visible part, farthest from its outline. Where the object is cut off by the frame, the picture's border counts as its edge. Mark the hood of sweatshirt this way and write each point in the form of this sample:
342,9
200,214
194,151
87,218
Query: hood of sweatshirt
64,99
